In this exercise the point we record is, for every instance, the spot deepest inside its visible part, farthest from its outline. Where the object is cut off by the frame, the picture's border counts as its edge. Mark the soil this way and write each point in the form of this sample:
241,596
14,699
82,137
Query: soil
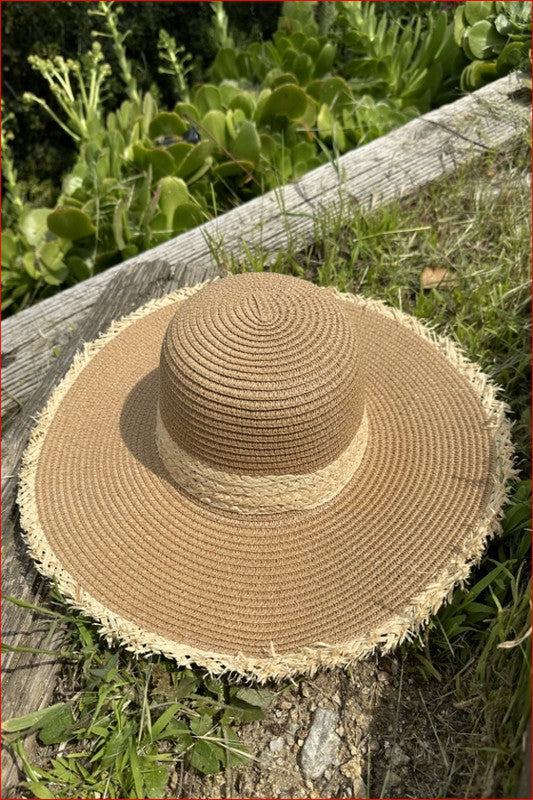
394,732
397,735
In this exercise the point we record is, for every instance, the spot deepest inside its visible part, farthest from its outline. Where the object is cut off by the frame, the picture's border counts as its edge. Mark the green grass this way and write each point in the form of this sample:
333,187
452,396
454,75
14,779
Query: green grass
126,721
132,718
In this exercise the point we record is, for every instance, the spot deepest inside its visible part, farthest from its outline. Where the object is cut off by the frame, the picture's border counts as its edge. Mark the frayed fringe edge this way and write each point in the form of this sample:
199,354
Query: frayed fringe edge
308,660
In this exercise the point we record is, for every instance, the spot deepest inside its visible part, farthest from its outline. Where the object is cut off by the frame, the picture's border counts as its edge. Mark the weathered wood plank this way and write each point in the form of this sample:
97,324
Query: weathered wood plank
394,165
29,680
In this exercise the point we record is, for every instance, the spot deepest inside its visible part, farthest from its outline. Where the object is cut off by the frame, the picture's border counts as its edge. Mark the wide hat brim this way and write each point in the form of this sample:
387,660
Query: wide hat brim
266,596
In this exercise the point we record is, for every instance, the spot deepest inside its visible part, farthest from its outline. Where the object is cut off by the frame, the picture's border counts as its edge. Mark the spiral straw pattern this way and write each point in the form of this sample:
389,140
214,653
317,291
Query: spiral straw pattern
265,595
260,374
261,399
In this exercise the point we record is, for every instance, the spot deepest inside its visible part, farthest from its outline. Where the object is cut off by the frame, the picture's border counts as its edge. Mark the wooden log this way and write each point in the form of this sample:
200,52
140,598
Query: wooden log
394,165
29,679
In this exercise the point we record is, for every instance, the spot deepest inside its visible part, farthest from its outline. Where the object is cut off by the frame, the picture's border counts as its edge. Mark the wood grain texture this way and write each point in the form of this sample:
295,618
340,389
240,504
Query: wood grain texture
29,679
397,164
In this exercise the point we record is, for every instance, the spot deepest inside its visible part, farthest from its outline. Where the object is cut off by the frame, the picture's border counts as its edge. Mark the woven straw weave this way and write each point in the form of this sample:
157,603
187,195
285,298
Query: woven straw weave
265,378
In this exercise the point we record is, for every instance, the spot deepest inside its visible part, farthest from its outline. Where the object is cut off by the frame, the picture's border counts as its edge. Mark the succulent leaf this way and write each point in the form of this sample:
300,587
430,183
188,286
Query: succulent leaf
166,124
483,40
247,145
70,223
288,101
476,11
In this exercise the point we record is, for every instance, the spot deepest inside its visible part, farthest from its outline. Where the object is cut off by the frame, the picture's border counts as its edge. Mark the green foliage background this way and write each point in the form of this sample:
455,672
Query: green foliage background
152,139
50,29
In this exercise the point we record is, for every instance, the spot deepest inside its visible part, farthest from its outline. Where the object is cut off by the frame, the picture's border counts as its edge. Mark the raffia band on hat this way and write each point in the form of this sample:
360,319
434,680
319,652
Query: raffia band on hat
260,494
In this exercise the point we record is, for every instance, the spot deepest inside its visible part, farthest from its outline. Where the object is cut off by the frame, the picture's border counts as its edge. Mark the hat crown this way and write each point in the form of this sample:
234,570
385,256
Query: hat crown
260,375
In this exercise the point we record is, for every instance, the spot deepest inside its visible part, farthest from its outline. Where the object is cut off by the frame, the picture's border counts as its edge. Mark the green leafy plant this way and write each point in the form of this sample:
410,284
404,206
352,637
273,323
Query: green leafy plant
175,62
416,66
108,209
143,175
29,261
369,77
496,38
132,722
35,258
14,204
82,108
220,32
328,80
296,72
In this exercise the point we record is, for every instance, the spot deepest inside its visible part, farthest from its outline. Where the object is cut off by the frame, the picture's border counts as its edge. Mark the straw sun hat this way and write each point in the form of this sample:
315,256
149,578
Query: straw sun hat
261,476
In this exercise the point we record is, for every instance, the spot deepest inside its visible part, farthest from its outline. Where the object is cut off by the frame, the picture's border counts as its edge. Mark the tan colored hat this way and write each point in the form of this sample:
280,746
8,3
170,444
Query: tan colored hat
262,476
